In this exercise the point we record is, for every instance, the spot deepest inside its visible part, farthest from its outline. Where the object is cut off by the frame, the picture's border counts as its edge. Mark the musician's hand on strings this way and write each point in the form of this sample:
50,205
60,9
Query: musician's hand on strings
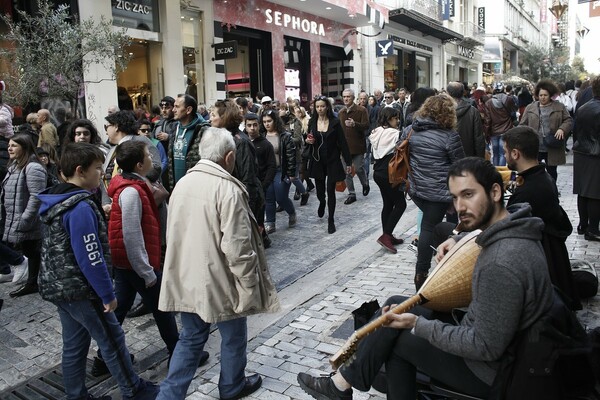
399,321
444,248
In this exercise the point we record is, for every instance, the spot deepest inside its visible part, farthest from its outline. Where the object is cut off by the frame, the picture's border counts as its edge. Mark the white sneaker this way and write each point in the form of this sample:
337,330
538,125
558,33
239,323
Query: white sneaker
21,271
6,277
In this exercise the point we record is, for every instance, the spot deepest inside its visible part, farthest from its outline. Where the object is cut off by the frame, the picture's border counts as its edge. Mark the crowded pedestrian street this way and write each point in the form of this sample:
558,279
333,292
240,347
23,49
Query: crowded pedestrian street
320,279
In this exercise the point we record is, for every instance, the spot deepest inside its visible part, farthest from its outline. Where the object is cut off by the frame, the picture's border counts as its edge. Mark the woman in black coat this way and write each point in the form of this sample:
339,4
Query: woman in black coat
326,142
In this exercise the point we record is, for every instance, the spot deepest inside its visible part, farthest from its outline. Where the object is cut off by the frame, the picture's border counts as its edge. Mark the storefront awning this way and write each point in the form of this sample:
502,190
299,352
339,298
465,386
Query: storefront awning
417,21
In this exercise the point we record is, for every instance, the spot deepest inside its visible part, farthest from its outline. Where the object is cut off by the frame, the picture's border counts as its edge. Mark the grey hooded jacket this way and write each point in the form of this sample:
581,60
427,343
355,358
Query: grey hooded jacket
511,290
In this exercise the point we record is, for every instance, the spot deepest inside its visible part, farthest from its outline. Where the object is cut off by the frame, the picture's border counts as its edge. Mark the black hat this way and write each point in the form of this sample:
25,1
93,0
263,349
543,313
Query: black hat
250,116
168,99
40,151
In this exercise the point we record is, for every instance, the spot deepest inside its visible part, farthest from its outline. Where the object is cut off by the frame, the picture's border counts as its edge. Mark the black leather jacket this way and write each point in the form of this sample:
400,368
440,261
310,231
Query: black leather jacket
587,128
287,155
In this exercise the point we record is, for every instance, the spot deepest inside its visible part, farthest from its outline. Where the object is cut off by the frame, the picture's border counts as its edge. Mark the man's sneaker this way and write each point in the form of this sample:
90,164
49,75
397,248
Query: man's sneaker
146,391
21,271
139,310
322,388
292,220
270,227
6,277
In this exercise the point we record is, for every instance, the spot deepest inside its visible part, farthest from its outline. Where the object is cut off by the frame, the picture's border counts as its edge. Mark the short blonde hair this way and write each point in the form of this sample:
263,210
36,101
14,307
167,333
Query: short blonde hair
441,109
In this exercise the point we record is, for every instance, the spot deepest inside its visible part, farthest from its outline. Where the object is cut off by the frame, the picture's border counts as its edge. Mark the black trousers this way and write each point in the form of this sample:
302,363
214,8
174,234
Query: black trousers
403,353
589,213
394,202
320,185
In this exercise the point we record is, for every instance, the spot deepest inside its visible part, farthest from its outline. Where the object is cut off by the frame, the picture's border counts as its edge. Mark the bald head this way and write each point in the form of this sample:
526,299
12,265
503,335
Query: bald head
456,90
43,116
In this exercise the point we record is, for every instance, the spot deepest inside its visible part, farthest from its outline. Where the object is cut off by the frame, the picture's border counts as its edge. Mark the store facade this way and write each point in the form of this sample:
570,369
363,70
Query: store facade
281,51
418,57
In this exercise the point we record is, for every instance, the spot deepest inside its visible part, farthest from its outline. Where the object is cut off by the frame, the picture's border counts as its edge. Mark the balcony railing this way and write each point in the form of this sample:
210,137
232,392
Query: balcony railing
429,8
473,31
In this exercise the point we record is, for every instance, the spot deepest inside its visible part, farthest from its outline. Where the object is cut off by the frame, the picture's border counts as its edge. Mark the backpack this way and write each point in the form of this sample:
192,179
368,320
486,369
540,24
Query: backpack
551,359
399,166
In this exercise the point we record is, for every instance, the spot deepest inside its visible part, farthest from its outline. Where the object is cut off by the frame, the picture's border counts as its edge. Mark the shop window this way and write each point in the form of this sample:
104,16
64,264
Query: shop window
133,83
335,72
296,56
391,72
423,65
191,39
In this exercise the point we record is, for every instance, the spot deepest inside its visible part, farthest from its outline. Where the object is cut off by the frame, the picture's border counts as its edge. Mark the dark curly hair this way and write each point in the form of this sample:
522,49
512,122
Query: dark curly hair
547,85
82,123
125,122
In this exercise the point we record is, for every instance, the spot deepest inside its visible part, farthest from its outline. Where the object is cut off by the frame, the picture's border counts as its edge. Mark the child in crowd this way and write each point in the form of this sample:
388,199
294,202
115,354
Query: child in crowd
75,276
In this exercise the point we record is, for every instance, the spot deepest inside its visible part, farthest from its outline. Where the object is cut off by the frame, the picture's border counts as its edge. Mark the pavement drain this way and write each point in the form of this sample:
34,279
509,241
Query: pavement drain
49,384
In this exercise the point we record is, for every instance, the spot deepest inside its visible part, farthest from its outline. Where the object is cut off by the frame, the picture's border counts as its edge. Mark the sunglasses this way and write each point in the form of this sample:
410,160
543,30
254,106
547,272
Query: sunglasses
388,97
144,130
165,105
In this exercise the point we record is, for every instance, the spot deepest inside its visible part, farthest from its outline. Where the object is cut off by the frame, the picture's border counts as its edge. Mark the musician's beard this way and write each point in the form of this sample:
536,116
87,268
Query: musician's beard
478,223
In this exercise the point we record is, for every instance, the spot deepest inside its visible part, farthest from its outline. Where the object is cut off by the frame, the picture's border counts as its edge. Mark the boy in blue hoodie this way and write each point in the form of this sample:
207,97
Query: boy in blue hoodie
75,276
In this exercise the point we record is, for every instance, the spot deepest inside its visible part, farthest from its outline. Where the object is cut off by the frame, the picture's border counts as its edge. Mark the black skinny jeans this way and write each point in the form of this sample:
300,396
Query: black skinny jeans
403,354
551,169
32,250
433,214
320,185
394,202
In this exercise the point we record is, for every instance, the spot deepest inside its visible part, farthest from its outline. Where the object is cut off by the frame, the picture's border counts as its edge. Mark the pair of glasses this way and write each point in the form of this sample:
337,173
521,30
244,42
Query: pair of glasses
144,130
321,98
106,126
388,97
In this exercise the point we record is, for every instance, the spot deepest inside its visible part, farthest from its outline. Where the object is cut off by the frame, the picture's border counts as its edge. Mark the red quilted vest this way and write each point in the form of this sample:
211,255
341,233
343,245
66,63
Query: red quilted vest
150,222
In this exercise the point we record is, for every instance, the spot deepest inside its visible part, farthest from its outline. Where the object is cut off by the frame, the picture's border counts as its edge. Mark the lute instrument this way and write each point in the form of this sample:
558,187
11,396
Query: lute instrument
446,288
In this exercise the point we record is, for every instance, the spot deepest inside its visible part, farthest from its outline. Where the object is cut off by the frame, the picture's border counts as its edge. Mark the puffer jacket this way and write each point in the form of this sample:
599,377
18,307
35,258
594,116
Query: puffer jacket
6,116
587,129
432,151
61,277
20,205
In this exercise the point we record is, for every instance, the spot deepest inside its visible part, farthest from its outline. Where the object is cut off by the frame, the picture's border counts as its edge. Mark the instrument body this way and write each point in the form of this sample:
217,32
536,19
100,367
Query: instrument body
446,288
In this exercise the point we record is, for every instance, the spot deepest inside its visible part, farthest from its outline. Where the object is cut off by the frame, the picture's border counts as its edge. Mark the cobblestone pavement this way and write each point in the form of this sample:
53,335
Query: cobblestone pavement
321,278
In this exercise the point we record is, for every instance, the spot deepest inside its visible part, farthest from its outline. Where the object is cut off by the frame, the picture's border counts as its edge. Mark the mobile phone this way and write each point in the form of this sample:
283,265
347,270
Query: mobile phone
310,136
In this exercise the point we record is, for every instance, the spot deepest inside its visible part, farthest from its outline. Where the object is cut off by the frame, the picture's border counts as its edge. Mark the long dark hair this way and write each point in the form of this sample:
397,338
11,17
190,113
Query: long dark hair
83,123
328,111
277,121
29,154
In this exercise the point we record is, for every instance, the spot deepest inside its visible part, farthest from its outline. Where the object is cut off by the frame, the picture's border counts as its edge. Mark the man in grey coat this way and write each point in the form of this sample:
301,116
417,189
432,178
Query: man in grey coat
511,290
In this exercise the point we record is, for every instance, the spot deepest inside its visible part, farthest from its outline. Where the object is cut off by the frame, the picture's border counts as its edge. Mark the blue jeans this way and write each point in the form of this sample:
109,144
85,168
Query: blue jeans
433,214
81,320
8,257
498,150
298,182
127,284
278,191
194,334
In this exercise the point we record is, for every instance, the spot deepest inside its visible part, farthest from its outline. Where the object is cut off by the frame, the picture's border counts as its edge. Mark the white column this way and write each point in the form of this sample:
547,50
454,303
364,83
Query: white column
101,86
172,52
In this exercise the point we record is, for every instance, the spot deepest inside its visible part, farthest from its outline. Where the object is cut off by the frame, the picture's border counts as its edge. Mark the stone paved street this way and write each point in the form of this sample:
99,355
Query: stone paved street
321,278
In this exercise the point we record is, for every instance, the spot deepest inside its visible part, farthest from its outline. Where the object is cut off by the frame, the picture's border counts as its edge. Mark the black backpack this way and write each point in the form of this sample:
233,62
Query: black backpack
552,359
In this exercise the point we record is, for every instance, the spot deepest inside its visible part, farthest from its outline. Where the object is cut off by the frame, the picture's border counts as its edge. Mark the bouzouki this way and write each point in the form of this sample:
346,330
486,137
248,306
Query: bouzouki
447,287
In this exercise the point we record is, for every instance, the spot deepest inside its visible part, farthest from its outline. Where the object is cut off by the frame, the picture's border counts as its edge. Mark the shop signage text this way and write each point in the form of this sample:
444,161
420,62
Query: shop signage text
225,50
411,43
289,21
132,6
451,8
481,17
465,51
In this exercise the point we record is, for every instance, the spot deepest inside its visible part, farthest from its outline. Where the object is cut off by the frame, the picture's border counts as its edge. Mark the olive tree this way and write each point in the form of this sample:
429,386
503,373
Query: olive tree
51,51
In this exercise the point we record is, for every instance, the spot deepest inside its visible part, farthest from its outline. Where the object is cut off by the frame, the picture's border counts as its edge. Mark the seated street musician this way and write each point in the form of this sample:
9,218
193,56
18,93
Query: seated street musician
510,290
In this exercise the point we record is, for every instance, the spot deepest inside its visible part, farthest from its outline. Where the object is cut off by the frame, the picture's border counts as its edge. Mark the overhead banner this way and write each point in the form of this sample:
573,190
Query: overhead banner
445,9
